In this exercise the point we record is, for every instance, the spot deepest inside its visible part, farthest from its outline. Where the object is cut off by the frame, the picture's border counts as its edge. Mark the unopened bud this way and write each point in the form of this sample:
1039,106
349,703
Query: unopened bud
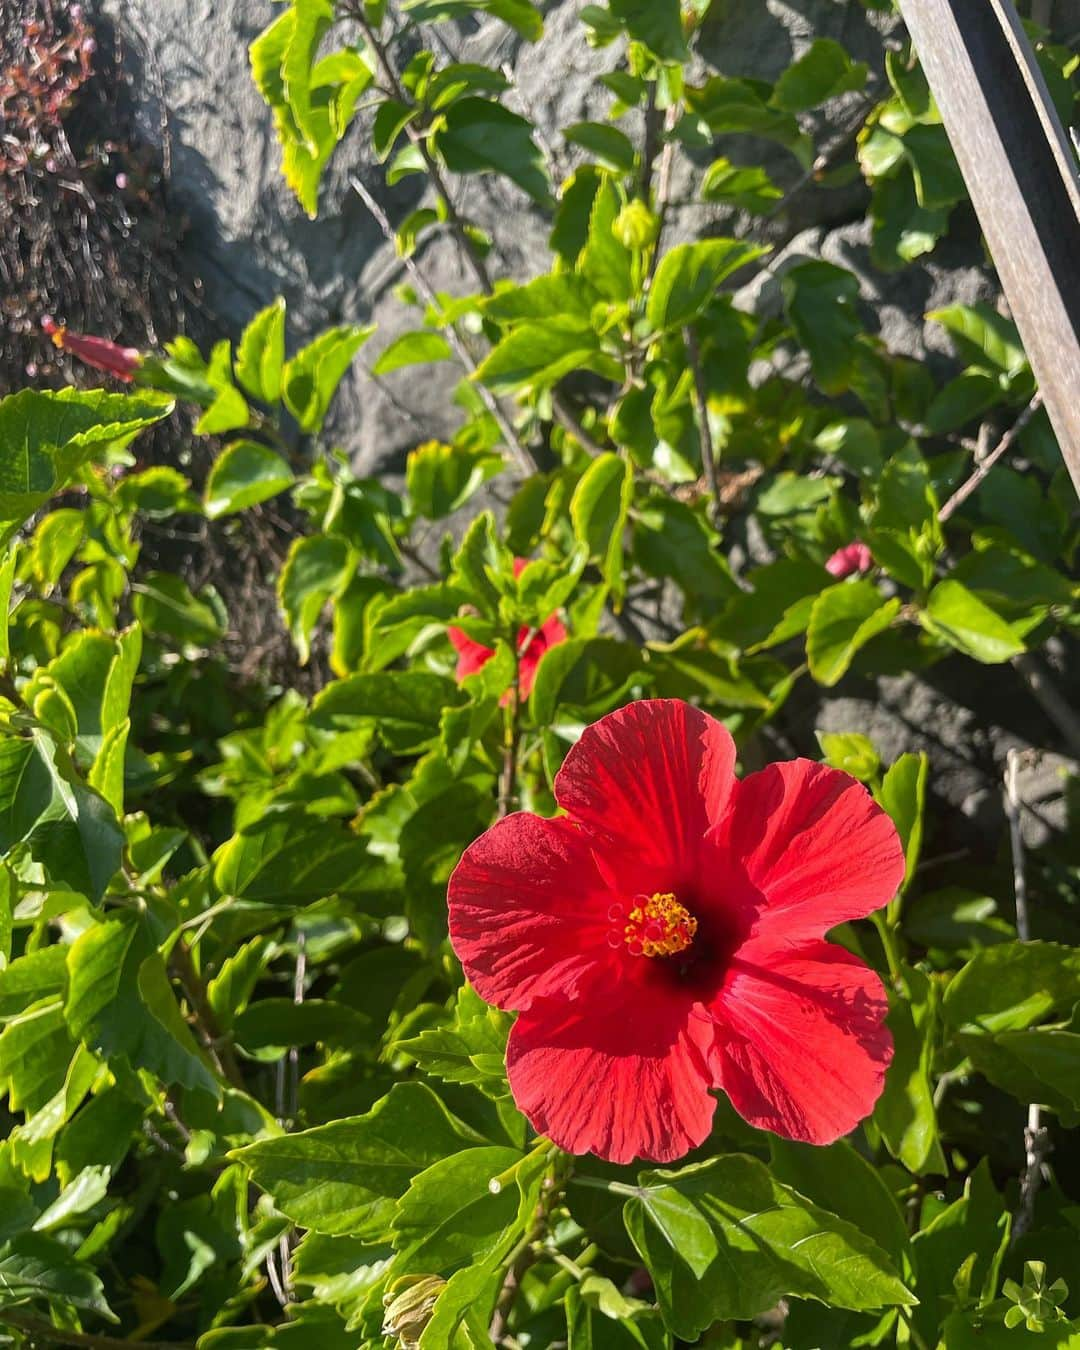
409,1303
636,226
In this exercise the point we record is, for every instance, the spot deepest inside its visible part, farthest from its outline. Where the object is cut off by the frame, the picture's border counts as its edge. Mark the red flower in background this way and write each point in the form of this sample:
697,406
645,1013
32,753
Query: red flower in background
853,557
98,352
664,938
531,645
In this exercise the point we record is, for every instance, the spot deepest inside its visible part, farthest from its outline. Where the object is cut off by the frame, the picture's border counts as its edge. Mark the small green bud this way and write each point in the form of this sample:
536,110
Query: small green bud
636,226
409,1303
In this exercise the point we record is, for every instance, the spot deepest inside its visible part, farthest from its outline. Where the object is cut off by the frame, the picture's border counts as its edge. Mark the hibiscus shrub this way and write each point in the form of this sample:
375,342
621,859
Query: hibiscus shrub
521,971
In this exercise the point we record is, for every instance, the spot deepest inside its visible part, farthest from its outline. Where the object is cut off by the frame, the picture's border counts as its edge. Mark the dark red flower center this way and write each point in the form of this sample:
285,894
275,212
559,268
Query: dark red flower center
652,925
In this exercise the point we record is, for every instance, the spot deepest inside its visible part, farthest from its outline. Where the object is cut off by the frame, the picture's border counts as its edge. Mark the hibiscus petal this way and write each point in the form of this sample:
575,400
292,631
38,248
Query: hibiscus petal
472,656
528,911
619,1080
807,847
650,779
802,1048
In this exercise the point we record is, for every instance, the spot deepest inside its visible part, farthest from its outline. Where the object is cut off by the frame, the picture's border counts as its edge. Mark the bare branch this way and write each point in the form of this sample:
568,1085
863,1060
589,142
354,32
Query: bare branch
520,451
964,491
701,403
1036,1140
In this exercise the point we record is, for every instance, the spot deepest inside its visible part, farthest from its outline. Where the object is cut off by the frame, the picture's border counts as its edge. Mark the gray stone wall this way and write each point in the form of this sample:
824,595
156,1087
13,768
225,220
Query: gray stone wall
247,239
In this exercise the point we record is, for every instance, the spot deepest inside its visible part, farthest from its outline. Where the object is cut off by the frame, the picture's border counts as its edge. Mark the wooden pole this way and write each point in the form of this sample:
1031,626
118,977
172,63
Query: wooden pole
1021,174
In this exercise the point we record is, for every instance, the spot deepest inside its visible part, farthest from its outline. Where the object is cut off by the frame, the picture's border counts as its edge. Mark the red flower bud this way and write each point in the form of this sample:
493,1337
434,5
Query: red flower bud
852,558
94,351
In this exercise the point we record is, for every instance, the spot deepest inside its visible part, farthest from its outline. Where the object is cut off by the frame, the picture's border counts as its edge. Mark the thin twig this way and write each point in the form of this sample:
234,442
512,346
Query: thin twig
566,417
823,162
701,401
216,1043
520,451
1052,701
1036,1140
511,736
39,1329
663,183
964,491
468,244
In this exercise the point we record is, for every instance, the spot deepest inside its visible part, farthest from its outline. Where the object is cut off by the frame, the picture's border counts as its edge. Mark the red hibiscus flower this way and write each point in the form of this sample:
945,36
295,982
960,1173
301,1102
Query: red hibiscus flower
531,645
98,352
853,557
665,938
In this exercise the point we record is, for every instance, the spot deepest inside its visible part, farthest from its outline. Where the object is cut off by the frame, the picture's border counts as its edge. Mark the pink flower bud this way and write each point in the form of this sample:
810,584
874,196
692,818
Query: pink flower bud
852,558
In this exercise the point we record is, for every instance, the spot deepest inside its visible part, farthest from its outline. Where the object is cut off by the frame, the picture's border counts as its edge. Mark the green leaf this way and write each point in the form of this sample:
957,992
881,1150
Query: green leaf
843,619
595,1321
227,409
724,1239
413,349
7,578
323,94
962,400
164,604
523,17
244,474
540,354
820,299
583,678
479,136
35,1053
1040,1064
606,263
687,278
293,859
822,72
1009,987
346,1177
903,795
598,511
974,1228
120,1003
261,353
440,478
983,337
469,1049
955,919
468,1297
453,1214
311,378
840,1179
851,752
33,1266
47,436
311,19
903,230
404,706
607,144
748,187
655,23
81,1194
732,105
318,568
274,1023
53,546
961,619
68,826
905,1112
939,184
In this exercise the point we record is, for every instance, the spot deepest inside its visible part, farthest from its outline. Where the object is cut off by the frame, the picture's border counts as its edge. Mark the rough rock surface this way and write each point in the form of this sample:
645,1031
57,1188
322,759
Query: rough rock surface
248,240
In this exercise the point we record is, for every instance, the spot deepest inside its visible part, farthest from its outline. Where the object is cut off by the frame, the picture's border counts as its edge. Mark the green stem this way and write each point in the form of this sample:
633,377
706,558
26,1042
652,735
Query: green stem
889,943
